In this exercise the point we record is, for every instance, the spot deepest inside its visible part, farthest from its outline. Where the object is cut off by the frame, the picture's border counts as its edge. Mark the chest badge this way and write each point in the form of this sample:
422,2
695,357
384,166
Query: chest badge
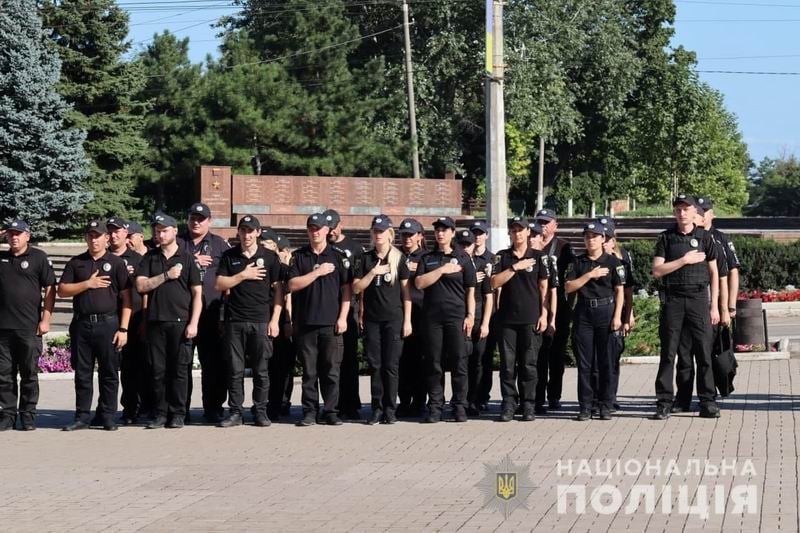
24,265
488,269
387,277
348,253
316,266
260,262
529,269
179,266
106,267
454,261
694,243
346,263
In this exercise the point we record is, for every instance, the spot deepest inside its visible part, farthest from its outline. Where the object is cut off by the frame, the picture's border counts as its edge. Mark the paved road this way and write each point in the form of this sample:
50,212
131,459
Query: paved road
415,477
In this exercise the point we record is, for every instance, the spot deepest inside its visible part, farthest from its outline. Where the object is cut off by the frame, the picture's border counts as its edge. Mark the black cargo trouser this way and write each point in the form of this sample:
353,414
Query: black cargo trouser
591,337
92,341
412,388
211,353
552,357
492,343
170,356
319,349
383,345
19,352
476,352
248,341
349,398
446,347
134,374
685,315
519,349
281,374
684,368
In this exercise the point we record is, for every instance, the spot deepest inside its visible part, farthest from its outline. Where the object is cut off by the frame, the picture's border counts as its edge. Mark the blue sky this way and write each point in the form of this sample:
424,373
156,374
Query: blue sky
728,35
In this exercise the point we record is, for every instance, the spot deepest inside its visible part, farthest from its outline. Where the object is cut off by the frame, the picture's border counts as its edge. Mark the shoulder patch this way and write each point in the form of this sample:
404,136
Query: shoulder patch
621,272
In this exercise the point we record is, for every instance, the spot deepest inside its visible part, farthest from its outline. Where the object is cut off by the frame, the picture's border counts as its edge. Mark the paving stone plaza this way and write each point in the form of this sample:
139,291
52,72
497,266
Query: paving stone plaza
737,473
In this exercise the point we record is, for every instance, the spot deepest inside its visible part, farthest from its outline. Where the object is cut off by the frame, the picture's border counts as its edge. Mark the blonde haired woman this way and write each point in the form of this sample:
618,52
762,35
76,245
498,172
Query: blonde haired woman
383,279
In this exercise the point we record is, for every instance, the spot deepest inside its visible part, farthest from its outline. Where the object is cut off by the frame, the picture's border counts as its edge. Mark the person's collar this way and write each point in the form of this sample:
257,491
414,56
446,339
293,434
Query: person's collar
23,252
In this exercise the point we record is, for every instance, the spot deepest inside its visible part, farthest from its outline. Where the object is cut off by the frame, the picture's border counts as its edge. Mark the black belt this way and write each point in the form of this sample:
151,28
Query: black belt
97,317
596,302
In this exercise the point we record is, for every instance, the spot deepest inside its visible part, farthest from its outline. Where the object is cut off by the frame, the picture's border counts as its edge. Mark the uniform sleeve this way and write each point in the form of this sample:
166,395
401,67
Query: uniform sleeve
294,267
224,268
617,273
661,246
498,264
722,260
68,276
470,276
121,276
421,269
346,272
194,274
486,285
627,262
275,271
710,248
730,252
403,273
544,268
144,267
572,271
47,276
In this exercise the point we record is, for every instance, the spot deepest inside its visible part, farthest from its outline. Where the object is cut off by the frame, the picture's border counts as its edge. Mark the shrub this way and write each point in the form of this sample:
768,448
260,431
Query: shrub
644,339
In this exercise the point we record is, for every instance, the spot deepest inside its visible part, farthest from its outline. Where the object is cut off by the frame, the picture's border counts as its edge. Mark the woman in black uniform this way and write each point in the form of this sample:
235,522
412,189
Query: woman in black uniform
598,278
382,277
448,278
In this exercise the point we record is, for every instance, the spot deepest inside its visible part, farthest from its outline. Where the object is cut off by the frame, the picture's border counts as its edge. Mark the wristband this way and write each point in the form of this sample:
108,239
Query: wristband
731,309
166,277
122,330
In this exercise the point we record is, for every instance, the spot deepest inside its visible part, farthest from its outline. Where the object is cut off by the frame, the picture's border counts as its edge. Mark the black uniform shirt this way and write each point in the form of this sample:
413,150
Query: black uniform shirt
520,297
212,245
483,263
417,295
22,279
97,301
132,259
445,300
318,304
250,300
172,300
598,287
672,245
731,257
627,262
383,302
560,253
350,250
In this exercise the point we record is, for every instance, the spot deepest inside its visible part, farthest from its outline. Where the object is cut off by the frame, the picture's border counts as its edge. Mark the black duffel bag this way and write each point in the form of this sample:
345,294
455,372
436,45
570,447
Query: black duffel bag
723,361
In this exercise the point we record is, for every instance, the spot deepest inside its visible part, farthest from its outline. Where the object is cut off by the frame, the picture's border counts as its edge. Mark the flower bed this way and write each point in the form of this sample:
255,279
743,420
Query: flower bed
56,357
789,294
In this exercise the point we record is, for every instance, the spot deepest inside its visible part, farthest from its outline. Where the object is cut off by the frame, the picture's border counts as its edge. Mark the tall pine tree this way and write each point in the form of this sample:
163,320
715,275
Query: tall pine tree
42,162
90,37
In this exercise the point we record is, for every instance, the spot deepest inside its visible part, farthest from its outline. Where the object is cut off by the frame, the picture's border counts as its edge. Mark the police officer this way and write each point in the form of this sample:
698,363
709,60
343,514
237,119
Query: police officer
598,279
685,259
282,362
136,238
25,272
133,367
448,278
617,341
536,242
382,278
170,278
483,256
98,281
684,368
412,388
553,353
319,280
523,277
349,399
207,249
484,306
252,274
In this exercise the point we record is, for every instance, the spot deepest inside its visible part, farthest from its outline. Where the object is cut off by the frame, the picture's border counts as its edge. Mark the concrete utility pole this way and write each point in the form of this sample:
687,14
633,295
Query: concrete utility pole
496,188
540,186
412,109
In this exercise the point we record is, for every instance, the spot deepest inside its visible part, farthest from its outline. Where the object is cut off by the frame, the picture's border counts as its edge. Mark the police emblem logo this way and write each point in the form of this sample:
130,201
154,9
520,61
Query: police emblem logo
346,263
694,243
387,277
107,267
378,220
442,219
159,218
14,224
246,219
199,208
465,233
260,262
488,269
179,266
604,221
125,261
621,272
454,261
24,265
328,218
348,253
545,260
407,224
316,266
496,259
506,485
529,269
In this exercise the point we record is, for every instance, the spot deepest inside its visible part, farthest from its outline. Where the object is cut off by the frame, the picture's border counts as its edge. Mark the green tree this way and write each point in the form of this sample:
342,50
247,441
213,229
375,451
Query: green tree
42,162
90,37
174,88
775,188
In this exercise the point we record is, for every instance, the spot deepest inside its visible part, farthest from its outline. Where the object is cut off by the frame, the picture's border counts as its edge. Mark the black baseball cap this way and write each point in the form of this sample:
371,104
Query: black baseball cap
518,221
465,237
95,226
135,227
410,226
200,209
381,223
332,218
705,203
479,226
684,199
117,222
268,234
595,227
536,228
282,242
249,221
609,224
317,219
162,219
18,225
446,222
545,214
